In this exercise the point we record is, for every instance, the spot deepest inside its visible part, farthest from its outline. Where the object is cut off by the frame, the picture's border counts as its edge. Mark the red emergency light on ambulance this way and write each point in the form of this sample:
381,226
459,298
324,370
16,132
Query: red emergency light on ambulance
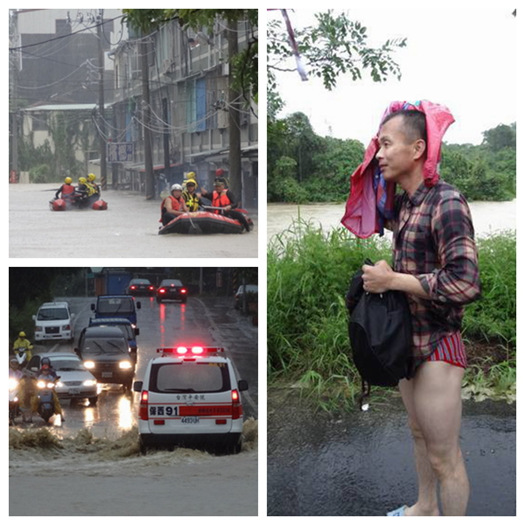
191,395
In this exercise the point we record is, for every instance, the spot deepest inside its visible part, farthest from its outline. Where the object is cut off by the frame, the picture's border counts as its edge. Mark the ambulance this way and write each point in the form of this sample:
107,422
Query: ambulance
190,396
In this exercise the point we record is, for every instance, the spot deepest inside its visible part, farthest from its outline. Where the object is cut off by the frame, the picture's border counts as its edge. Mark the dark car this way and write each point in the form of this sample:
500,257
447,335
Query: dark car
140,287
131,332
104,350
171,290
116,306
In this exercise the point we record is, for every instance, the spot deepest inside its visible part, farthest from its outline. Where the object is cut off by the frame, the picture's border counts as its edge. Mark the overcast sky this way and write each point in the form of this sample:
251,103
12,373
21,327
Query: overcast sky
465,59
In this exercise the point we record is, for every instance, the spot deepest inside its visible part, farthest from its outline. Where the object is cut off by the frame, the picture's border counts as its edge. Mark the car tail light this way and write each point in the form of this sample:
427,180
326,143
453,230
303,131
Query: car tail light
143,408
183,290
151,288
236,405
162,290
133,287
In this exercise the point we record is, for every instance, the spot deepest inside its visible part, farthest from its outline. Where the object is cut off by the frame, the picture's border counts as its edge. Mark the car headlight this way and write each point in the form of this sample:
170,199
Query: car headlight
89,364
13,383
89,382
59,384
125,365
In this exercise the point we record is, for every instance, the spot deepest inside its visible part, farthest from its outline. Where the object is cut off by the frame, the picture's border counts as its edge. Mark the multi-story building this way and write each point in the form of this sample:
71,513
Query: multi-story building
187,115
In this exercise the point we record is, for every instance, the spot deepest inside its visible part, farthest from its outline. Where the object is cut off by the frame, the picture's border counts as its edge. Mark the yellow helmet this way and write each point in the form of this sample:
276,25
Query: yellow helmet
191,181
191,175
82,180
22,334
91,177
68,180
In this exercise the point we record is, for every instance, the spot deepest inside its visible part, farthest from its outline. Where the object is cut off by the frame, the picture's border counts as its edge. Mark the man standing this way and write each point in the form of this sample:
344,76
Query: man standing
435,264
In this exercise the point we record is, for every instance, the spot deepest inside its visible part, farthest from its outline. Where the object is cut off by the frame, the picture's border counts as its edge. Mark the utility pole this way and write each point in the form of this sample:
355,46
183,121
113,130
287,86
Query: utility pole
234,121
146,112
14,61
102,120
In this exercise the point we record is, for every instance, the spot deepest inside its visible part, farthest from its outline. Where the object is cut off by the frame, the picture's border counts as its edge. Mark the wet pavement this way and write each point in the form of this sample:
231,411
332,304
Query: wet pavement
361,464
211,321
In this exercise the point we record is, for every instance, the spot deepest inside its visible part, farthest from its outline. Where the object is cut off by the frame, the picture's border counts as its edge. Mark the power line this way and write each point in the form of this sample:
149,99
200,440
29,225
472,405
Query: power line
20,48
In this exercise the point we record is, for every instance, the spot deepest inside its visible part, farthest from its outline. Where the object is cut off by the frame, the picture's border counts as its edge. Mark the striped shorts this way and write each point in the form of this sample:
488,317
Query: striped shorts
451,350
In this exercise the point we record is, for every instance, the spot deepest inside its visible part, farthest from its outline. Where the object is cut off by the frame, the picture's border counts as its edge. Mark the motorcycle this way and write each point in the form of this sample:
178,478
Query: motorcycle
14,402
46,401
23,356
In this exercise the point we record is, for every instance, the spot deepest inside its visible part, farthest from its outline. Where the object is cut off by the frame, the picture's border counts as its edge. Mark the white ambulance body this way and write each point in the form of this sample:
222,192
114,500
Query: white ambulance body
191,395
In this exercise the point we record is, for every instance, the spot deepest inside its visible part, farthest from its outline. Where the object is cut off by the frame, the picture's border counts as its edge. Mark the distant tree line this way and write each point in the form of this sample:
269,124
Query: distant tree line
305,167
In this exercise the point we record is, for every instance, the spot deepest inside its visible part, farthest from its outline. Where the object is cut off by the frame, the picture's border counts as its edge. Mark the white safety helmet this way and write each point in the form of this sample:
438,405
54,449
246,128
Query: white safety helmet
176,187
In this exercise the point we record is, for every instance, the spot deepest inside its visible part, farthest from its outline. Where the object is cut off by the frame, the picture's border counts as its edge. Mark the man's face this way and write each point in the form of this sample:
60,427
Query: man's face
190,188
219,187
176,193
396,156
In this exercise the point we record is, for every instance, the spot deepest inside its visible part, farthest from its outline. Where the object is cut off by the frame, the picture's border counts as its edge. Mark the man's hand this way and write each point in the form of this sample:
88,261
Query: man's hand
381,277
377,278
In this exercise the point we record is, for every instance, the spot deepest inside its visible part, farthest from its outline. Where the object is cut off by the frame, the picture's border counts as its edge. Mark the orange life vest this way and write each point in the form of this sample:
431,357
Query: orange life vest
219,200
176,204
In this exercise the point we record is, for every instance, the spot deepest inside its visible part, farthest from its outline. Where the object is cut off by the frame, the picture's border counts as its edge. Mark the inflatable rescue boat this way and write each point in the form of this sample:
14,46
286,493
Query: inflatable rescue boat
205,222
63,205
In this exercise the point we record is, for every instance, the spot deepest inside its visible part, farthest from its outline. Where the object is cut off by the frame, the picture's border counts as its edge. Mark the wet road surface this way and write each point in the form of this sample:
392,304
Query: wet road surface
361,464
207,321
128,228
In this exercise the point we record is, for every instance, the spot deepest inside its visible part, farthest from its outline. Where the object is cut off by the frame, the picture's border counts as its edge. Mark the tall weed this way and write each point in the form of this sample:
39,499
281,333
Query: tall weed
308,275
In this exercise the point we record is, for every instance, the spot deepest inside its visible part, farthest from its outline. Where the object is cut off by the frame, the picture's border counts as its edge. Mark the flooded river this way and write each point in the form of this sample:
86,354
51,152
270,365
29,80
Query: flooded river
488,217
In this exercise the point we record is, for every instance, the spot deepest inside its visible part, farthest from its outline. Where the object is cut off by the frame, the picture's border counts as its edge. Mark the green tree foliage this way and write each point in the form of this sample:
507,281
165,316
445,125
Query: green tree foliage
486,172
302,166
334,46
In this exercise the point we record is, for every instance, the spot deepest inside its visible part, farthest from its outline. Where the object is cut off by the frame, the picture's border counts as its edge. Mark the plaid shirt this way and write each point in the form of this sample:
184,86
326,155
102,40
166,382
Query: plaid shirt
434,240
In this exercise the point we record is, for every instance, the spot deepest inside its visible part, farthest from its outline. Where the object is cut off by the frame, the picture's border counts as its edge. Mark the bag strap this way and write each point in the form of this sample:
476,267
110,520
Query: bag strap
365,392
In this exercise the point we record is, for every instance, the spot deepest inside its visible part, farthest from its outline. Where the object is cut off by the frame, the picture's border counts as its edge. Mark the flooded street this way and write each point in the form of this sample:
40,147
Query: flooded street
360,464
128,228
91,461
488,217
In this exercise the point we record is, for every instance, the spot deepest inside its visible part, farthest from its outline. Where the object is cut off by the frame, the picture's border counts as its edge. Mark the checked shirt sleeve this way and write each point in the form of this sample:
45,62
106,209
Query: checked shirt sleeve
456,280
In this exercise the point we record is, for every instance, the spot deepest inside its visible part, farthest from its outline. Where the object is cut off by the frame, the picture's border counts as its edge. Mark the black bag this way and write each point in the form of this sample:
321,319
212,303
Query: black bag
380,331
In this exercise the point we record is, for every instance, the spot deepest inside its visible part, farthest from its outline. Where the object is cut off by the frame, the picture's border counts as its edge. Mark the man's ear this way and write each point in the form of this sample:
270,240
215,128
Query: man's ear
420,147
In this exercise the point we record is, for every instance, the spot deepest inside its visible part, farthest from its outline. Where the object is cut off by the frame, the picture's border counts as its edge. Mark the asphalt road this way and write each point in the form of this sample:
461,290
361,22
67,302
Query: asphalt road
207,321
361,464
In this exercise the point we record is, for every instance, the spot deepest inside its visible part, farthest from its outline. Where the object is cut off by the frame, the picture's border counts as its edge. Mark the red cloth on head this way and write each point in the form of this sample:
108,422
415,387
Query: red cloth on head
362,215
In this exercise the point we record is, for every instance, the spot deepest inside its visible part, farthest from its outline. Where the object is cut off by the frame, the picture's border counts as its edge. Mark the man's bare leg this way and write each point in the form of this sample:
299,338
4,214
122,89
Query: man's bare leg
433,402
427,500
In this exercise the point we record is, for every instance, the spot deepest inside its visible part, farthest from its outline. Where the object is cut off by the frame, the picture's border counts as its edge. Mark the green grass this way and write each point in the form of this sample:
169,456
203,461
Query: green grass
308,275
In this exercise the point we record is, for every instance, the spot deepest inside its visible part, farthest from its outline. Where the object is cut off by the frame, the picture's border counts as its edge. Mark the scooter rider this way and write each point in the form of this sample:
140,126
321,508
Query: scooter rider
22,348
14,369
47,373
